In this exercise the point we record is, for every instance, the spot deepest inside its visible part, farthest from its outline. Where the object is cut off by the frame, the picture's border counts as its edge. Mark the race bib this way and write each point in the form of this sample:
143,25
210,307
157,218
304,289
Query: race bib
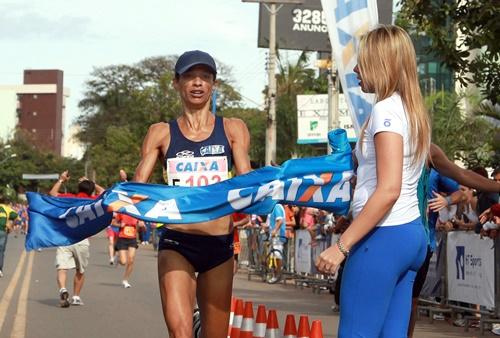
197,171
129,231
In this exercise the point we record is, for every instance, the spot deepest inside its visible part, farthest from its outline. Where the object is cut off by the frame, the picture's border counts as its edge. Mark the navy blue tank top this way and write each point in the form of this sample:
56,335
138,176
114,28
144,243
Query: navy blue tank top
198,163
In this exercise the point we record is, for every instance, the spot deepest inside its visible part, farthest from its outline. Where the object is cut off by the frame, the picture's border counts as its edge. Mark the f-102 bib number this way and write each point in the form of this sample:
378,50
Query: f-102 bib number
197,171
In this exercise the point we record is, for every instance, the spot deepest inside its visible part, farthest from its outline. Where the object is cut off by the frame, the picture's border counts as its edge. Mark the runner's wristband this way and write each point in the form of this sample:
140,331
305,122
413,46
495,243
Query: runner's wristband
342,249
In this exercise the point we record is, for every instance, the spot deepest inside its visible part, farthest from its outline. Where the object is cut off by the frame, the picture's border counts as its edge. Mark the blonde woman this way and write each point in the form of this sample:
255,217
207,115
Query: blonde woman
386,242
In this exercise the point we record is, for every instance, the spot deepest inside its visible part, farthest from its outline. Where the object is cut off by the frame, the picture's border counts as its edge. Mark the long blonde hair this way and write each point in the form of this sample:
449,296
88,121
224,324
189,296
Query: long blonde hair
387,64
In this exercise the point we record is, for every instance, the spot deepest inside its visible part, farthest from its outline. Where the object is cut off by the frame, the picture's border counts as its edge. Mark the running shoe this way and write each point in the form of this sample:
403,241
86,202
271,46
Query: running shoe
76,300
438,316
64,298
196,323
496,329
126,284
273,280
111,261
1,273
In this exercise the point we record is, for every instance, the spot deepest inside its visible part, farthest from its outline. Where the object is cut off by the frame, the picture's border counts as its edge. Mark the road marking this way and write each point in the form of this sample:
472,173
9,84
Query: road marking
19,327
7,296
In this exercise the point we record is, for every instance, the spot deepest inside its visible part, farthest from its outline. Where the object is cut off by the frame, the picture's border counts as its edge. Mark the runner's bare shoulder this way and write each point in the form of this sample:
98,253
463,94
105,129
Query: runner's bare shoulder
235,128
158,134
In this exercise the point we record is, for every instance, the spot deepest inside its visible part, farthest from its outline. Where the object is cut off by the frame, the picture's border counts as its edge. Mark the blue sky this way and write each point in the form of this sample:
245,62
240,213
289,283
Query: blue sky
76,36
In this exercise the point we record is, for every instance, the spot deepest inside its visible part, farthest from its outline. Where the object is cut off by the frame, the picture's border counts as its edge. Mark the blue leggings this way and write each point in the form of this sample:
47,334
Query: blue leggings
378,279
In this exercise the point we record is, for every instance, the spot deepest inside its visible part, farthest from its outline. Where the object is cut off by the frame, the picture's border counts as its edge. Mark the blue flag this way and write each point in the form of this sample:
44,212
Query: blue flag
321,182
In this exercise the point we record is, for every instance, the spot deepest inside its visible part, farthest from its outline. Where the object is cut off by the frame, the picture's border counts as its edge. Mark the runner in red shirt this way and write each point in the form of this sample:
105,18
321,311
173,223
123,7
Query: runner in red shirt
126,245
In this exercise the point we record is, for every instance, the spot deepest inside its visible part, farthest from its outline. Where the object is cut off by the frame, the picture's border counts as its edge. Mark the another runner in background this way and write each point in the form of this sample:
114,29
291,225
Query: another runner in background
74,256
126,244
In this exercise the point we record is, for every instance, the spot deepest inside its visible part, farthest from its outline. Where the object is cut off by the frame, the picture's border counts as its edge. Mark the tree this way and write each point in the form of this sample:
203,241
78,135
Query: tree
477,50
31,160
292,80
122,101
256,122
458,135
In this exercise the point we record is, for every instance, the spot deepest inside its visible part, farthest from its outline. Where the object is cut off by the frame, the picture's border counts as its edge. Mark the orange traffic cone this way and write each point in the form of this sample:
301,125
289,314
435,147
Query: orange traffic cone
247,324
259,330
290,328
231,316
272,327
316,329
237,319
303,327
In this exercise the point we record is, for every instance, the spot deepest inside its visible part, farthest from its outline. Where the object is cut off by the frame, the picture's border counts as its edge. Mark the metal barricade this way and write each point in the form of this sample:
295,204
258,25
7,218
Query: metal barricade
470,275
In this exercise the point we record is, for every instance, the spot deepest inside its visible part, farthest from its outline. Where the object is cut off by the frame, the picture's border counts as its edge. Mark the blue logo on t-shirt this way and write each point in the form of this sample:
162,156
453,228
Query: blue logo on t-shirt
387,122
212,150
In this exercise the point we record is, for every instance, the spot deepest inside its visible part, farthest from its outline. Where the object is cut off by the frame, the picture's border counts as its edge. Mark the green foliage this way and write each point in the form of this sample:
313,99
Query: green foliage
256,123
292,80
30,160
122,101
117,150
476,52
458,135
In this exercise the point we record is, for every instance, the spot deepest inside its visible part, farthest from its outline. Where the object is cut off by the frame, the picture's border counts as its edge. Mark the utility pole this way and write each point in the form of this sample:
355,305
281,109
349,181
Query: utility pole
333,98
271,92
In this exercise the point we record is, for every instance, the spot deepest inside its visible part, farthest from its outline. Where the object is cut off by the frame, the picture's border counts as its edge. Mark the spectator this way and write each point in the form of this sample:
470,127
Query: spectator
7,215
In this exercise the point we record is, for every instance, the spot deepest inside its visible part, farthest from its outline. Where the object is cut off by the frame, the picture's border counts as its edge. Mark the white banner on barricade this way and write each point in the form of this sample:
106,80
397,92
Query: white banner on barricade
471,269
303,251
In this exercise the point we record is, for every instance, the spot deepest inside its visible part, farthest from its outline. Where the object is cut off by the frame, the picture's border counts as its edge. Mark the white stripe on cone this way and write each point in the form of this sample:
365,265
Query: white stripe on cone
231,316
247,325
273,333
259,330
237,321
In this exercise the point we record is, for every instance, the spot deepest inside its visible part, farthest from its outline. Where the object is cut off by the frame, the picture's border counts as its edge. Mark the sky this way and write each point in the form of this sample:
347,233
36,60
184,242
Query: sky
76,36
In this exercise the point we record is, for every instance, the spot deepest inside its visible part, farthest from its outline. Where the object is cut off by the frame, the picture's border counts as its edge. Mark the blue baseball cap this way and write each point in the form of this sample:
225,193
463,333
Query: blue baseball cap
193,58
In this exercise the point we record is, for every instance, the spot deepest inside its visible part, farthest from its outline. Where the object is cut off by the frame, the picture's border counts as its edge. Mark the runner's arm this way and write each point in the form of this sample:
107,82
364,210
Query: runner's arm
242,222
151,151
470,179
55,188
98,189
240,144
276,230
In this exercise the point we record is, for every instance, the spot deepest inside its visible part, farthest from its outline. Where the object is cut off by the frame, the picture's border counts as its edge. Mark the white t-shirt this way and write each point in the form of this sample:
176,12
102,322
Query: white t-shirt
387,115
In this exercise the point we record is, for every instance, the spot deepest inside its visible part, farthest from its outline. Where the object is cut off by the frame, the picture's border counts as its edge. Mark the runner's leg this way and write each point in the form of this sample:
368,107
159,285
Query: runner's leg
177,289
78,282
61,278
214,292
123,256
130,262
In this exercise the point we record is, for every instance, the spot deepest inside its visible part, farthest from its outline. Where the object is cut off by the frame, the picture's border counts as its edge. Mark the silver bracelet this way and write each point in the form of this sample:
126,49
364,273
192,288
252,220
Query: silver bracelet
342,249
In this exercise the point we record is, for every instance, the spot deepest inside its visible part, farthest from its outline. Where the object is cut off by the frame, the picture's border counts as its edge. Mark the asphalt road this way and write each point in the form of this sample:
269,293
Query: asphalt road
29,303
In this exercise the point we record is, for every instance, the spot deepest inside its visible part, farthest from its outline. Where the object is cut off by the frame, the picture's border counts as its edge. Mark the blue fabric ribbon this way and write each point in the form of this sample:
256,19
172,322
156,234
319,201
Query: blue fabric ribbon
321,182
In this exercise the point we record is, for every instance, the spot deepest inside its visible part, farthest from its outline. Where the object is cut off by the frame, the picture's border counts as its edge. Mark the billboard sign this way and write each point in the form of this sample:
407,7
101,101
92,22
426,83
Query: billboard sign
312,119
298,26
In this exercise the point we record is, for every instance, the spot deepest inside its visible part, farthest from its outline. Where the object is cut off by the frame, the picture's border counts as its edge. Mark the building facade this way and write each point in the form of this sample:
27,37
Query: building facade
37,107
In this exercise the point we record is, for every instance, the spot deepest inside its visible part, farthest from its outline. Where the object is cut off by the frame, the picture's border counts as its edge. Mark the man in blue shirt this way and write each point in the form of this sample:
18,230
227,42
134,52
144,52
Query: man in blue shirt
277,231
